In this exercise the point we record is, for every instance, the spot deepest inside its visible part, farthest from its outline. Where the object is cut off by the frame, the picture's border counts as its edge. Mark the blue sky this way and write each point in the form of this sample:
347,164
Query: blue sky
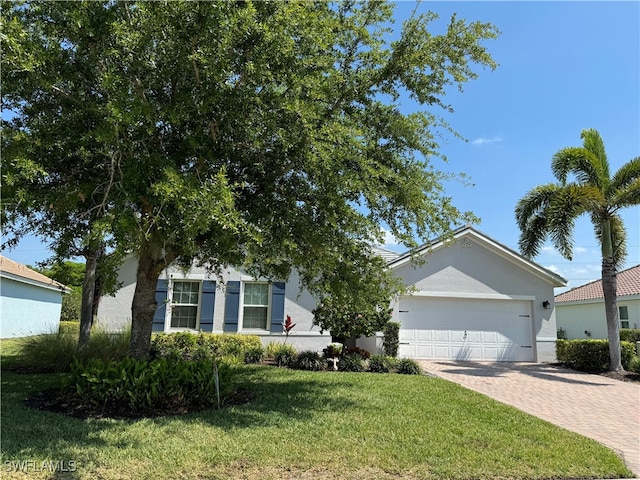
564,67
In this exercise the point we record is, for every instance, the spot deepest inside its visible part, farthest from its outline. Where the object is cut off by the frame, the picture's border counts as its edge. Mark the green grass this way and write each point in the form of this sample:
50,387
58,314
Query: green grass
304,425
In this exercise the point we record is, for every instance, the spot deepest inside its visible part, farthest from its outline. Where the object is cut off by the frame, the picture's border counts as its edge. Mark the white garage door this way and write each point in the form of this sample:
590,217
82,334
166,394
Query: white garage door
465,329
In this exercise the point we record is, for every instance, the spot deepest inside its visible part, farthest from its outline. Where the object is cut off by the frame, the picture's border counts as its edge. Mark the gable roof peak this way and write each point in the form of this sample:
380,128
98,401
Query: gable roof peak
489,243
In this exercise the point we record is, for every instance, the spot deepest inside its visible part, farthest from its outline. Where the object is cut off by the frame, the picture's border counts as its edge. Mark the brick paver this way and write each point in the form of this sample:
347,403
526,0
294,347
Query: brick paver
597,407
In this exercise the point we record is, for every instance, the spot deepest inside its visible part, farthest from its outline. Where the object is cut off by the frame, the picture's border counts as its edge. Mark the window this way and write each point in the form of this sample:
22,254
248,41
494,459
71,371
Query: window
184,305
623,312
255,312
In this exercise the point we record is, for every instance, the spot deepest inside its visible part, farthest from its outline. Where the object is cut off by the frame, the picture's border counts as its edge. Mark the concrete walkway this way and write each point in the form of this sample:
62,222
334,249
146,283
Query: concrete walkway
597,407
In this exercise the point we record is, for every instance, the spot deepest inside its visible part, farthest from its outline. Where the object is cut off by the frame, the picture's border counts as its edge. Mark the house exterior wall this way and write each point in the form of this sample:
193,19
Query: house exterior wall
468,269
114,313
577,317
27,309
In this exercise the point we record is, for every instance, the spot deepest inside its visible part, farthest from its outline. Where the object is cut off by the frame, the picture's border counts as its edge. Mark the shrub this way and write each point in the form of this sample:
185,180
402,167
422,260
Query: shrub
381,363
72,328
358,351
590,355
391,340
634,365
71,305
200,346
308,361
408,366
630,335
139,387
351,363
254,354
333,349
282,353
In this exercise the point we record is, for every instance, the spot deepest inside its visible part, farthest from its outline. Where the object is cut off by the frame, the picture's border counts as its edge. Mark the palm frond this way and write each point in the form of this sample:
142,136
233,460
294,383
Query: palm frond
626,174
580,162
534,203
569,203
592,141
532,236
627,196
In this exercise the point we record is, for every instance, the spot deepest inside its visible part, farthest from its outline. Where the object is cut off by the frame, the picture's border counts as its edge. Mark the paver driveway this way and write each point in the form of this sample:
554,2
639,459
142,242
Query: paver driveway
597,407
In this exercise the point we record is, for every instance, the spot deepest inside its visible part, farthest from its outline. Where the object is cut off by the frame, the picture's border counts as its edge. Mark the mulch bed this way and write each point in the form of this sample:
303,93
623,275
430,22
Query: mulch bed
623,376
58,401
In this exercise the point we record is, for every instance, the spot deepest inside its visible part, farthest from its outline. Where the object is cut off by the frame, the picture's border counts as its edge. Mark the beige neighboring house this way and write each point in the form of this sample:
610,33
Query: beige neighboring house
30,303
580,311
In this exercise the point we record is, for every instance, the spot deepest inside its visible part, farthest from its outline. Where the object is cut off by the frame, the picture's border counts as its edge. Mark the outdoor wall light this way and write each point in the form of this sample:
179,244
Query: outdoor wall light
546,305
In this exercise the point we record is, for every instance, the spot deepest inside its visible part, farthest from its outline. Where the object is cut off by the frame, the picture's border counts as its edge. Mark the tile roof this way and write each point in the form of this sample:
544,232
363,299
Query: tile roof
19,270
628,283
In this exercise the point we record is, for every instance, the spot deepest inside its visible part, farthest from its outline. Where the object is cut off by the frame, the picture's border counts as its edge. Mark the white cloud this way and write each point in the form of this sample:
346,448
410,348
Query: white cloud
389,238
478,142
553,268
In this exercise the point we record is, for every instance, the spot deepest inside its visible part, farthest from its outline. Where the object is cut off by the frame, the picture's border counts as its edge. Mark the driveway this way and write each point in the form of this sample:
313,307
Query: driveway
597,407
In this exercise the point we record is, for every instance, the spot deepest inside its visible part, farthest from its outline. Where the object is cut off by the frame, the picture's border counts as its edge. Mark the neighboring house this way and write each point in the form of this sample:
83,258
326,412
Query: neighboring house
30,303
473,299
581,310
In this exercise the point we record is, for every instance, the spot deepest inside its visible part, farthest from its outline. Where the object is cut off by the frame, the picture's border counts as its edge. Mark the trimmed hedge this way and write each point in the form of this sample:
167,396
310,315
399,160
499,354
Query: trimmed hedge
590,355
391,340
630,335
201,346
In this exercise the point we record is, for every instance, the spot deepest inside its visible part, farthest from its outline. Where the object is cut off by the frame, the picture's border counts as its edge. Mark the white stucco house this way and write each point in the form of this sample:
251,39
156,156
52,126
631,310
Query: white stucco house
472,299
580,311
30,303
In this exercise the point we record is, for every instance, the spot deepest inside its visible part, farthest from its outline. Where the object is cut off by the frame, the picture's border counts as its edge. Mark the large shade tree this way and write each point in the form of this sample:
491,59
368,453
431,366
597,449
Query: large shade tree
585,187
57,170
262,134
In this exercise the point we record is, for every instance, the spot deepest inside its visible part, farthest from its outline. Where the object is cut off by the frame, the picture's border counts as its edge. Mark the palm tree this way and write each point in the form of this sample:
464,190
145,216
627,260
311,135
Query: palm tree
550,211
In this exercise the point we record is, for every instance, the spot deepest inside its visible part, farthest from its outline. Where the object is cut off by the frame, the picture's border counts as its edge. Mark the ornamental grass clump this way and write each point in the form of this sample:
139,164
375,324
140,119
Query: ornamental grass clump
381,364
408,366
282,354
308,360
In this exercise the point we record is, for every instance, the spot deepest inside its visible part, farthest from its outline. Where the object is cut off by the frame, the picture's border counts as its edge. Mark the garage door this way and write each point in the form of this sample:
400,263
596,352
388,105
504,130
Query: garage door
465,329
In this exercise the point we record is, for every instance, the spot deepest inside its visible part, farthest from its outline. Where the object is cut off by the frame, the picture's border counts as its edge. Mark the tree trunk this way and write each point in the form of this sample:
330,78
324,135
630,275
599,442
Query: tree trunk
88,289
609,287
150,265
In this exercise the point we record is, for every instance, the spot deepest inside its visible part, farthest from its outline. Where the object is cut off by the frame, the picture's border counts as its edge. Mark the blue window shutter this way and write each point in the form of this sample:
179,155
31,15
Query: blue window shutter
206,305
161,310
232,307
277,307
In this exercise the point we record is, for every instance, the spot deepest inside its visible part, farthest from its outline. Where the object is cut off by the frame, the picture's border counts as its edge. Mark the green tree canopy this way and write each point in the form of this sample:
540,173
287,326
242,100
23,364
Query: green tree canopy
585,187
268,135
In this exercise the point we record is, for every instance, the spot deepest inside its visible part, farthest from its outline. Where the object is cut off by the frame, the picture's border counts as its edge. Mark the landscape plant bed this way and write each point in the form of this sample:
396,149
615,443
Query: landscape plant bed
303,425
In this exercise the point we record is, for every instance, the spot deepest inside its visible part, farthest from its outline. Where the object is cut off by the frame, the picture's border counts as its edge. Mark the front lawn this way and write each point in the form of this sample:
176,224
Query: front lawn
303,425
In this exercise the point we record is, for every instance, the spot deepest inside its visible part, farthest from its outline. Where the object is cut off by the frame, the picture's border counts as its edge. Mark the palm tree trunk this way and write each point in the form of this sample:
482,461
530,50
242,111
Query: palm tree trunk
609,286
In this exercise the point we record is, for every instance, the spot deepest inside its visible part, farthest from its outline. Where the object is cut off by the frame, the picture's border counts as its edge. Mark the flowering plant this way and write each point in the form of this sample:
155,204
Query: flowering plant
288,326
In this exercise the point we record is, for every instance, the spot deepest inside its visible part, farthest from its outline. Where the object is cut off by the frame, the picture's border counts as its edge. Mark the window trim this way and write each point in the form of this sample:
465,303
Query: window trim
171,304
241,327
624,322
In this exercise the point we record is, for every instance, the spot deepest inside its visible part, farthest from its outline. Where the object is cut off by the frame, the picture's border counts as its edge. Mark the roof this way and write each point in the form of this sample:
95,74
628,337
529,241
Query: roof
496,247
22,273
628,283
386,254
